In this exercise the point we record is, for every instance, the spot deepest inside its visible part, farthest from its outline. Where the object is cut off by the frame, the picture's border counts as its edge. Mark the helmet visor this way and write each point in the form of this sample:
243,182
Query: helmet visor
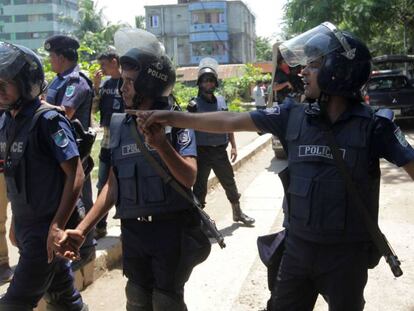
12,61
310,45
126,39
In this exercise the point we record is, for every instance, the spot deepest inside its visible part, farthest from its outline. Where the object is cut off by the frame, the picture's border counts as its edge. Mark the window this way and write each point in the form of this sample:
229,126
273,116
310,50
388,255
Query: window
211,17
222,18
17,2
6,19
208,18
21,18
209,48
23,35
33,35
154,22
195,18
385,83
4,36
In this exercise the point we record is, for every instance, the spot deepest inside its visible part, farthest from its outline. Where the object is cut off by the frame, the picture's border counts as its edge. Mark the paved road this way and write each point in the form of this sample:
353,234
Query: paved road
234,278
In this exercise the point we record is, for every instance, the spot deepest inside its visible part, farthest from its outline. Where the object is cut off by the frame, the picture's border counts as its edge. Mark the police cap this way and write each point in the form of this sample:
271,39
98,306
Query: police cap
60,43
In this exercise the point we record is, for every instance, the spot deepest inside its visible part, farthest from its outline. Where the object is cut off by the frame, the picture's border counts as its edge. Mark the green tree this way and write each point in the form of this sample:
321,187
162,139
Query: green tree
92,30
140,22
263,49
90,19
385,25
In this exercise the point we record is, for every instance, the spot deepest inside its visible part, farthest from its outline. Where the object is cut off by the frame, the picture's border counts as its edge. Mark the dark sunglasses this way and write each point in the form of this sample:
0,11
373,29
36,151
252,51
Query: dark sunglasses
212,80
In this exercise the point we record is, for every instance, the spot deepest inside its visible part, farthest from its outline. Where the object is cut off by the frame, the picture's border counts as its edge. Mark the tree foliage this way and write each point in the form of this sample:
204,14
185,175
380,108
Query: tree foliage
140,22
263,49
93,32
387,26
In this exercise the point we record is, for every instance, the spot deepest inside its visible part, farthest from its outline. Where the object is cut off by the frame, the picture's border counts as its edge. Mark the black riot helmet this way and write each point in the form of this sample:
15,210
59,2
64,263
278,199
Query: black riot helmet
23,66
207,66
156,72
346,64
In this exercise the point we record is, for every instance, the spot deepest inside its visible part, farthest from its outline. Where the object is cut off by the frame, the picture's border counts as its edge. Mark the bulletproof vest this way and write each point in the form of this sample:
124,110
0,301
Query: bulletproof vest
141,191
201,105
319,205
110,101
28,203
57,89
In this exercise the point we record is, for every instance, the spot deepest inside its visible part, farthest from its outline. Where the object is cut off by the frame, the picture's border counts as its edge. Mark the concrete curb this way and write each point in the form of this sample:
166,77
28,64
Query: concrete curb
109,250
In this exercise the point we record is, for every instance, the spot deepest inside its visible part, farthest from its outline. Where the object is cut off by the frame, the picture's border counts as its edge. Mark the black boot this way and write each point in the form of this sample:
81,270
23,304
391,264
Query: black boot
238,215
138,298
166,302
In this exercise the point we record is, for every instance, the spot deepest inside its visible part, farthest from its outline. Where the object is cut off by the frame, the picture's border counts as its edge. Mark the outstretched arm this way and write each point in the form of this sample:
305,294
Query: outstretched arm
214,122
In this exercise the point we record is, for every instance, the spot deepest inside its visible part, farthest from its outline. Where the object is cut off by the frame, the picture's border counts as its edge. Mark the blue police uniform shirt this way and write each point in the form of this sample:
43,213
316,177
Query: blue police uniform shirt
319,209
388,141
110,102
51,143
71,89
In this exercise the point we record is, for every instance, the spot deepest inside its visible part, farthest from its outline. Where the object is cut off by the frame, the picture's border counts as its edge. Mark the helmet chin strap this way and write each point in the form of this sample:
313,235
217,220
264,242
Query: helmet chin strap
323,105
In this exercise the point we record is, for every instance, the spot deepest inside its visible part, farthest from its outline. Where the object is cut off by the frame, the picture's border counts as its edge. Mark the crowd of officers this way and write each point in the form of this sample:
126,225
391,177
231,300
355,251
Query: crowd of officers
50,191
53,213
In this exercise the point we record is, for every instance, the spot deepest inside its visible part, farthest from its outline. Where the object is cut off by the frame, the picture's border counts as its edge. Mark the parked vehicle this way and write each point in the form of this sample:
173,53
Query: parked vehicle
390,89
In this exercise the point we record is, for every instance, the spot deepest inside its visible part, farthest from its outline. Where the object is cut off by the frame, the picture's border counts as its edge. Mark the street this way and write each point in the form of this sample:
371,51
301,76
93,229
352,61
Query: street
235,279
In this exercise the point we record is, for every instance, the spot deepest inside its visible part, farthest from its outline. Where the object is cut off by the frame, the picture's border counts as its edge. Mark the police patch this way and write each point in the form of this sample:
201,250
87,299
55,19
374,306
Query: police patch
70,90
274,110
184,138
400,137
60,138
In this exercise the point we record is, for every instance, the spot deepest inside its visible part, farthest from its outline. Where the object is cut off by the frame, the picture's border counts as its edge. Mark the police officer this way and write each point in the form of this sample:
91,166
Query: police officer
44,177
108,101
161,235
211,148
72,91
6,273
327,249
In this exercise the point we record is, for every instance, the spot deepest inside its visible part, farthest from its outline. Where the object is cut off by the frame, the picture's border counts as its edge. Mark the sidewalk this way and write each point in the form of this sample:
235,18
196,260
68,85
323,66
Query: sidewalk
108,252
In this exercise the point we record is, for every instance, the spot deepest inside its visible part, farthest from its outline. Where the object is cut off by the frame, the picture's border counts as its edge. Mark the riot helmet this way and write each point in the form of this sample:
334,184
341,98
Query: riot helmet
208,66
346,61
23,66
156,72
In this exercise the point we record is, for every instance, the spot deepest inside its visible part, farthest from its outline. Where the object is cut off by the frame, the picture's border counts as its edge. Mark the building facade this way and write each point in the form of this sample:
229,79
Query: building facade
30,22
191,30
